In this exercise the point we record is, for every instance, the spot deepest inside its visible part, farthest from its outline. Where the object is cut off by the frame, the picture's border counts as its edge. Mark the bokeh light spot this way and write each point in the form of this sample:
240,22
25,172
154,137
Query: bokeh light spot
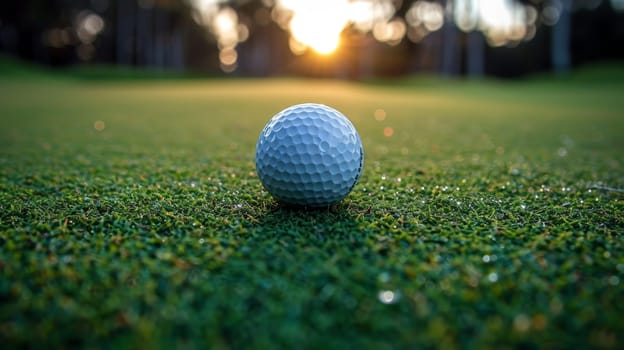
380,115
99,125
388,131
228,56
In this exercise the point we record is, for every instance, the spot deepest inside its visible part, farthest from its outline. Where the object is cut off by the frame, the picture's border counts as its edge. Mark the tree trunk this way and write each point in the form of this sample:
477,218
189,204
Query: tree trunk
475,55
366,59
450,58
560,40
125,32
177,50
144,36
161,38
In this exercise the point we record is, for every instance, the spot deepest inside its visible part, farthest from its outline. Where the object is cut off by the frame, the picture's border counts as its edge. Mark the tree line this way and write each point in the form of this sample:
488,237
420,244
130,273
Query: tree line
165,34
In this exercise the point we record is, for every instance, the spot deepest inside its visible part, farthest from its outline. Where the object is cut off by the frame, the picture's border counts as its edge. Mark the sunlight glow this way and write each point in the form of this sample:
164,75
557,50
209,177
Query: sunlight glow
224,24
501,21
424,17
317,24
390,32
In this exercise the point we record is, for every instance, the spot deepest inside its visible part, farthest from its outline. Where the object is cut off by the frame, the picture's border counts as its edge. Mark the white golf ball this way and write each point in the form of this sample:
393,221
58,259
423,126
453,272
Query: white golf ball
309,155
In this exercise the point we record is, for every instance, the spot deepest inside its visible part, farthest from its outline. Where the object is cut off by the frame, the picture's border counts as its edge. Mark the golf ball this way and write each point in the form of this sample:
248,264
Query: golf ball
309,155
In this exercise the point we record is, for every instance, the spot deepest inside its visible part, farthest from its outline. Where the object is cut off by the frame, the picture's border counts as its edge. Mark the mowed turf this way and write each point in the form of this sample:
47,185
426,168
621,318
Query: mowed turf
489,215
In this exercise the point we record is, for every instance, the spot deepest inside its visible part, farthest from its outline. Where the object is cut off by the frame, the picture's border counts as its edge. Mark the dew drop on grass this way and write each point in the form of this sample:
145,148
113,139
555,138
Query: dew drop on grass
486,259
614,280
389,297
493,277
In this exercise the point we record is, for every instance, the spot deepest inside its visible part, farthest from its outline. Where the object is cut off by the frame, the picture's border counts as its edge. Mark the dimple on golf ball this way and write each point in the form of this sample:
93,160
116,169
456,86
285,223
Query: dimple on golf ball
309,155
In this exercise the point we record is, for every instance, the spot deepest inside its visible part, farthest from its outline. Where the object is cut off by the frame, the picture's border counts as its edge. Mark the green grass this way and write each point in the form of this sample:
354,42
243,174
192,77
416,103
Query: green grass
492,214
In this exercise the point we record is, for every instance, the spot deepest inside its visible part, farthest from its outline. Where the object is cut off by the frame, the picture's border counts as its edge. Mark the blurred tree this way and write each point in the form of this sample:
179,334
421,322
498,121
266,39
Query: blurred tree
451,60
167,34
560,39
151,33
475,54
125,31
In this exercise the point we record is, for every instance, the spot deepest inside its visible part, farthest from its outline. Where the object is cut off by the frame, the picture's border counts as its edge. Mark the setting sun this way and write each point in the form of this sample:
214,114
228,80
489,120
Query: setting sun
317,25
323,39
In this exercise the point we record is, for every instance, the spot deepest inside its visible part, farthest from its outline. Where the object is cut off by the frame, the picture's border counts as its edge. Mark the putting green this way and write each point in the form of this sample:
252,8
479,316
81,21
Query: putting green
489,215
